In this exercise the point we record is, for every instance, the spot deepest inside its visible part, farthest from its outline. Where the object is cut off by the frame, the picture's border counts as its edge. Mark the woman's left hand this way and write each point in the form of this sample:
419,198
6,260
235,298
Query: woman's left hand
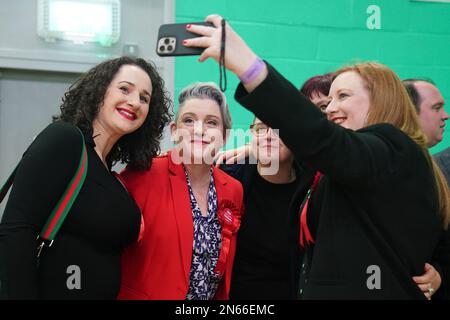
429,282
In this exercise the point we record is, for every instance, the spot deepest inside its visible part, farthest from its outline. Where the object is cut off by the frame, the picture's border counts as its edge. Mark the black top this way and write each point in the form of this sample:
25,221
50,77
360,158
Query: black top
376,207
103,220
443,160
264,267
261,265
441,257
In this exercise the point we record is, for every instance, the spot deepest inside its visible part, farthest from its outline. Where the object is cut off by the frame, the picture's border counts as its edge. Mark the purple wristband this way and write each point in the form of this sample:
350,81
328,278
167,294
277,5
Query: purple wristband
253,72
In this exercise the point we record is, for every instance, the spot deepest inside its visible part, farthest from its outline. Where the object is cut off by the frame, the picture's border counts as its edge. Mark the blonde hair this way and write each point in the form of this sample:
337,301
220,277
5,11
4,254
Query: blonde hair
386,89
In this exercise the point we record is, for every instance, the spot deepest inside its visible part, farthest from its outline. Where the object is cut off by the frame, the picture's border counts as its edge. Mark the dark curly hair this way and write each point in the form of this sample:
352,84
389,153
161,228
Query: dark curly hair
82,102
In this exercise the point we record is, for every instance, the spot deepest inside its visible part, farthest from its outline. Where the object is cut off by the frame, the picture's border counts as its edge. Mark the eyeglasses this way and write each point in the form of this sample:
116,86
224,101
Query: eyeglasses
259,129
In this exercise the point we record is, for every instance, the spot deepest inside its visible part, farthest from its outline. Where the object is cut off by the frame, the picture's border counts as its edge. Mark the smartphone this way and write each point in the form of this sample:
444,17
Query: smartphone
171,36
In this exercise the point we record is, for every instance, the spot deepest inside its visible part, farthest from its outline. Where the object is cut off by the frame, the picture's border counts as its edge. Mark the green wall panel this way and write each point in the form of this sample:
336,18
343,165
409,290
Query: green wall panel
302,38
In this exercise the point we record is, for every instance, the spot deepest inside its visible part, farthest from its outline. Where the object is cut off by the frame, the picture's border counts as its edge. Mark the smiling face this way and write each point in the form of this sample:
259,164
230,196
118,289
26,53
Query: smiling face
199,130
126,103
267,146
349,101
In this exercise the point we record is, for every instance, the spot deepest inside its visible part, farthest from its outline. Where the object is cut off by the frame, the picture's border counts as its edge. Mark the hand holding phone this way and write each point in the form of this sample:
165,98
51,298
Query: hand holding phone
171,36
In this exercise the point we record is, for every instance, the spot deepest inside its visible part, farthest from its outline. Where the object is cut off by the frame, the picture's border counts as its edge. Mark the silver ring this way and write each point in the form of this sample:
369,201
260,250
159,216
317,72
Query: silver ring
430,289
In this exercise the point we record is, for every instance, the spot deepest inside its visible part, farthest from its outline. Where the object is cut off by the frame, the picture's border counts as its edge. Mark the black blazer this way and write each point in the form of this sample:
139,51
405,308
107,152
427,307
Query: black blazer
376,205
443,160
441,257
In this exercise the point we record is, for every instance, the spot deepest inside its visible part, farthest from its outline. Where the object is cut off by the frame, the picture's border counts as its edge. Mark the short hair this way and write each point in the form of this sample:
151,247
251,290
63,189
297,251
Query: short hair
206,90
319,83
412,90
81,105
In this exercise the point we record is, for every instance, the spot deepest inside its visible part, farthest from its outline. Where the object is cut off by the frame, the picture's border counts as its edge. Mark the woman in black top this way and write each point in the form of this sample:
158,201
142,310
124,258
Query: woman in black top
380,202
262,268
121,108
259,267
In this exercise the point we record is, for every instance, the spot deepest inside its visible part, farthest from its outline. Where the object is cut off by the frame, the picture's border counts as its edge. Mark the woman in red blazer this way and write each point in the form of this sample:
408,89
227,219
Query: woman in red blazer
191,210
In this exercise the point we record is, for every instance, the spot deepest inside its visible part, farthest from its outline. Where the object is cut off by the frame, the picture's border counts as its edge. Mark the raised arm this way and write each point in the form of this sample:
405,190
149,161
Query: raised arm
239,57
355,158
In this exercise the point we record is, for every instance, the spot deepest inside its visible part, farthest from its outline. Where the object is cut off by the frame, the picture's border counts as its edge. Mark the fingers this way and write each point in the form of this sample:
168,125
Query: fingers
227,155
427,277
427,290
238,57
232,160
430,281
219,158
215,19
239,155
424,287
424,282
201,30
247,150
232,156
423,279
202,42
205,55
207,41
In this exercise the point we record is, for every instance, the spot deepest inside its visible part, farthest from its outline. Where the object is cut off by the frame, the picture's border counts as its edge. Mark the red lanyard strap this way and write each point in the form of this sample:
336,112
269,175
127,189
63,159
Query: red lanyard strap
62,208
305,233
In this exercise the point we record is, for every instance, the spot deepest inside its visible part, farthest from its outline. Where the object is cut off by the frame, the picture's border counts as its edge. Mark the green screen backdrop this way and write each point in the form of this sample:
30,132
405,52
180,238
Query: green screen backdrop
302,38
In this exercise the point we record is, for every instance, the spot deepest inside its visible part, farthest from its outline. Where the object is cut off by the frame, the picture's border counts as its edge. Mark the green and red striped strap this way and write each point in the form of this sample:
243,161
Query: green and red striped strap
64,204
66,201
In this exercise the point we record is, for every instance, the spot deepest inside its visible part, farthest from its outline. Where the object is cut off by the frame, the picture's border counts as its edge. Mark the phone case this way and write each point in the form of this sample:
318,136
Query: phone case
170,40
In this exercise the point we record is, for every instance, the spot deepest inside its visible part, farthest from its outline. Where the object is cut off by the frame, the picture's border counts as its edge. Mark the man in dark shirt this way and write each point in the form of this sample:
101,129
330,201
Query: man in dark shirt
429,104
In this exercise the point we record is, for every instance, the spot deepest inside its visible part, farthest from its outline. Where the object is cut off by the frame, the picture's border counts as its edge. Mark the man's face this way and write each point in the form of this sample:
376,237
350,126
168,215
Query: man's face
432,114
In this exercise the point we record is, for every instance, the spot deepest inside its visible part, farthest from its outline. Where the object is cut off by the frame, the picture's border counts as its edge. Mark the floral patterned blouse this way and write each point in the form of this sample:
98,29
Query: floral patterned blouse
204,280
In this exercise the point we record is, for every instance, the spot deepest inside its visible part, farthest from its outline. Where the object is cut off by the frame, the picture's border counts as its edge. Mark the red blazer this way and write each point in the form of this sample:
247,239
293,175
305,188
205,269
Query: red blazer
158,265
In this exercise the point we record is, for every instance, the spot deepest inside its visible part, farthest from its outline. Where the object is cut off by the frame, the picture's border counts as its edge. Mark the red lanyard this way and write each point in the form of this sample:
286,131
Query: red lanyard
304,230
